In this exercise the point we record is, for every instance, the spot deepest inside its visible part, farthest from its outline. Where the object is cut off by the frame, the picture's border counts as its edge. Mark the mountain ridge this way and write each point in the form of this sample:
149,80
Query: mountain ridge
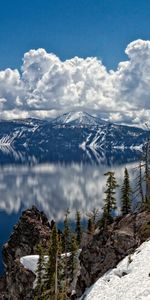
68,118
76,133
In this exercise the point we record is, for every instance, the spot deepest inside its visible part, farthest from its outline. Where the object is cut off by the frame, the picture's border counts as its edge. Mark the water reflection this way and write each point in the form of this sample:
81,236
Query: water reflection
44,154
55,187
54,180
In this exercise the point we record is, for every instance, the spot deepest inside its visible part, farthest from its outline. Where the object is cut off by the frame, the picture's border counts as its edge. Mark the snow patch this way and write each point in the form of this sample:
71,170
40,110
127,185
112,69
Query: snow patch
130,280
30,262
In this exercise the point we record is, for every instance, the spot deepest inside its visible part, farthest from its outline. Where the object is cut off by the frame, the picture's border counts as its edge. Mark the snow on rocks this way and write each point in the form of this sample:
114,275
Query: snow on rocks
30,262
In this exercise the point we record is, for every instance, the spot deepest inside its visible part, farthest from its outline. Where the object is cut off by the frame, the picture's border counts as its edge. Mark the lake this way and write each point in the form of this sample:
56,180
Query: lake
55,186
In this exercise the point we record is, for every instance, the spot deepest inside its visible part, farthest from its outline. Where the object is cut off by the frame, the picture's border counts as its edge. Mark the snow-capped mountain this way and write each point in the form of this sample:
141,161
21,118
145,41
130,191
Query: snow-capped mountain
75,136
80,130
78,118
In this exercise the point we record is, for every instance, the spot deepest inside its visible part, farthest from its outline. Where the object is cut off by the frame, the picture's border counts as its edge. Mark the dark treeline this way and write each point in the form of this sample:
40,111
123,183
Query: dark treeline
58,265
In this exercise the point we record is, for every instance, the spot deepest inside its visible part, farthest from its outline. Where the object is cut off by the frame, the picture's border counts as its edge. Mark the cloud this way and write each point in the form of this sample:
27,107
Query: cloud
47,86
134,77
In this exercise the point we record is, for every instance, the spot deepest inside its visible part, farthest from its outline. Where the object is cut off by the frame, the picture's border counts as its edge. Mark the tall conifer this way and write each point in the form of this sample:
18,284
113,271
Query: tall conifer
66,249
73,251
78,229
146,159
110,200
66,233
90,226
40,274
126,194
50,276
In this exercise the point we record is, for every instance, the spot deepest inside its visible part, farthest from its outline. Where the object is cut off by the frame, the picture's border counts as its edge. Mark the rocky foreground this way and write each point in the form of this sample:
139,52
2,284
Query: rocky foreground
103,251
33,228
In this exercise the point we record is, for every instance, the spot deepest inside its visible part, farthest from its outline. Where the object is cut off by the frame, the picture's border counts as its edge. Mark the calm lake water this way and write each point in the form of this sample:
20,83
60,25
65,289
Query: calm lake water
54,186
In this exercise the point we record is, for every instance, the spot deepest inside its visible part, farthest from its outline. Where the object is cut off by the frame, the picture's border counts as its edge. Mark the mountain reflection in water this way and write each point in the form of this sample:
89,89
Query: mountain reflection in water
53,186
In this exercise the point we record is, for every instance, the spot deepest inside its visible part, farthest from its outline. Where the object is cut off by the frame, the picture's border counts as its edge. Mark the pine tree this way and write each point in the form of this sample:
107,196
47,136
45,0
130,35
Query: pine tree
66,233
146,160
139,185
126,194
78,229
50,277
110,200
66,248
55,249
143,178
90,226
73,251
40,274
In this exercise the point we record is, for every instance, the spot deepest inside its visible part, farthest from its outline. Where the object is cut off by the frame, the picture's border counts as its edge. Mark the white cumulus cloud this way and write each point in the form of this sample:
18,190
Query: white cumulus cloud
47,86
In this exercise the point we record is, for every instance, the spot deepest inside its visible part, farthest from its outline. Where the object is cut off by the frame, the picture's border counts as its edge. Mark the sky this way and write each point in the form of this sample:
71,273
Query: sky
61,55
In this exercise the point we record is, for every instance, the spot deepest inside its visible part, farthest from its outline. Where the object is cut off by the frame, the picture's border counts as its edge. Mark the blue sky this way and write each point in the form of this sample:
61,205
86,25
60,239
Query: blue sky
101,28
62,55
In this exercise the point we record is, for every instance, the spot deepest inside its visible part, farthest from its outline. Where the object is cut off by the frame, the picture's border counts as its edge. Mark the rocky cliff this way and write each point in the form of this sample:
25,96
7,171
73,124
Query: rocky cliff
101,253
33,228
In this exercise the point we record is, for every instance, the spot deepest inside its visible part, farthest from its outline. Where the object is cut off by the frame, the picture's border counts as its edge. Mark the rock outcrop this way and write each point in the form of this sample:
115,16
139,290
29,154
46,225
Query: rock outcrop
2,287
32,229
101,253
108,247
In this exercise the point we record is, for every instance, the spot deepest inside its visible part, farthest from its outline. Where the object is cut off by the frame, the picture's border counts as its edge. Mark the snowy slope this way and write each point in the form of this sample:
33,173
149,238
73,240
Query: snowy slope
78,118
130,280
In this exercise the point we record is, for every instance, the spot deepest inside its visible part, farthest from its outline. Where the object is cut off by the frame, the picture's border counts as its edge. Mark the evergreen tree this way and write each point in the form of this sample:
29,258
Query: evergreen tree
78,229
73,251
50,277
66,248
110,200
55,250
90,226
143,178
126,194
40,273
139,185
146,159
66,233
